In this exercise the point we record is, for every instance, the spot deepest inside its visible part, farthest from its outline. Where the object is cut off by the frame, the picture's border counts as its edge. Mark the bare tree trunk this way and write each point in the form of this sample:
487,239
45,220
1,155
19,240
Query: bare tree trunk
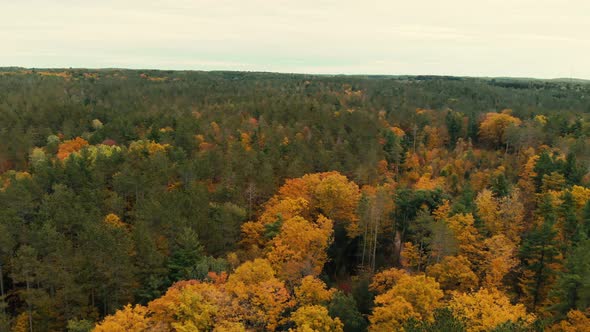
375,245
397,247
365,244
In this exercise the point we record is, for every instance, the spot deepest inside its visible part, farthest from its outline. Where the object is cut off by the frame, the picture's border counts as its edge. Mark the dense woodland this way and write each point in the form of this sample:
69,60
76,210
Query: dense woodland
229,201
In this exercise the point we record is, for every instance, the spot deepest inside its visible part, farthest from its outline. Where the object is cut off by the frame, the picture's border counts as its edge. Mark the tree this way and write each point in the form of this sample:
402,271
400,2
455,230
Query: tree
573,284
576,321
486,309
411,297
494,125
499,259
344,307
540,257
25,269
189,306
385,280
68,147
186,253
129,319
257,296
454,273
315,318
454,122
312,291
300,248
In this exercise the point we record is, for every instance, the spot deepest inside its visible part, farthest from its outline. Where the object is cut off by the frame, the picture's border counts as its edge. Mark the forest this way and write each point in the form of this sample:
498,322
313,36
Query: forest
144,200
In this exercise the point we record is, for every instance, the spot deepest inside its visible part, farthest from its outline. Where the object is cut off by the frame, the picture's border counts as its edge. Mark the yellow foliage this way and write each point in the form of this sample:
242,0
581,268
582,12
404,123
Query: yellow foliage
390,314
385,280
426,182
454,273
499,259
581,195
21,323
257,297
312,291
230,327
411,297
398,131
487,210
246,141
542,119
189,306
494,126
338,198
466,235
412,256
576,321
113,220
286,208
300,248
486,309
315,318
128,319
150,146
422,292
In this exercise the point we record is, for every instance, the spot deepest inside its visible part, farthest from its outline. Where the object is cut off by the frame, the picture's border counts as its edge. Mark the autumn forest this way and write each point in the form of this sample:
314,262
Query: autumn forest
228,201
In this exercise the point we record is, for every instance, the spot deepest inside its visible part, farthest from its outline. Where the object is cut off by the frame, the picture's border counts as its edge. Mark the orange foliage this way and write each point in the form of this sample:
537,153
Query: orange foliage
68,147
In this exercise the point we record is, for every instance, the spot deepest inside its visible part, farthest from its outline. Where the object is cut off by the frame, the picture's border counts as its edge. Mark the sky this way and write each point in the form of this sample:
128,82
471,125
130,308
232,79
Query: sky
517,38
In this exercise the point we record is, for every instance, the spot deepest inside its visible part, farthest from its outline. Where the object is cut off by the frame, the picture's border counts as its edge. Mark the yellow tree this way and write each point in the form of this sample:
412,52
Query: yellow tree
385,280
499,259
391,313
487,210
454,273
576,321
312,291
330,194
128,319
300,248
257,234
467,236
486,309
189,306
493,127
501,216
410,297
315,318
258,298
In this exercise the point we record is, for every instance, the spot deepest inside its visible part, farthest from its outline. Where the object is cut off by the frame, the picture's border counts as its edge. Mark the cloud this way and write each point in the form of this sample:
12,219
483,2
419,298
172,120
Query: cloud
541,38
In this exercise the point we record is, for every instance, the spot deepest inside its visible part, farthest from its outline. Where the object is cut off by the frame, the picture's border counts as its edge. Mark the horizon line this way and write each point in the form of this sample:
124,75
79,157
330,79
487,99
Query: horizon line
301,73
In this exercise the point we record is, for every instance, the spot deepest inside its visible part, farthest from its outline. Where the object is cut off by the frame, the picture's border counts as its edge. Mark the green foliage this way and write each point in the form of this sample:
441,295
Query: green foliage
183,159
444,321
573,283
344,307
82,325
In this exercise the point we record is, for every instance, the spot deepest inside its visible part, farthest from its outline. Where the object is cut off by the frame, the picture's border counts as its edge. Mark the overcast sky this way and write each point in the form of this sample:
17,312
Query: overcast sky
524,38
